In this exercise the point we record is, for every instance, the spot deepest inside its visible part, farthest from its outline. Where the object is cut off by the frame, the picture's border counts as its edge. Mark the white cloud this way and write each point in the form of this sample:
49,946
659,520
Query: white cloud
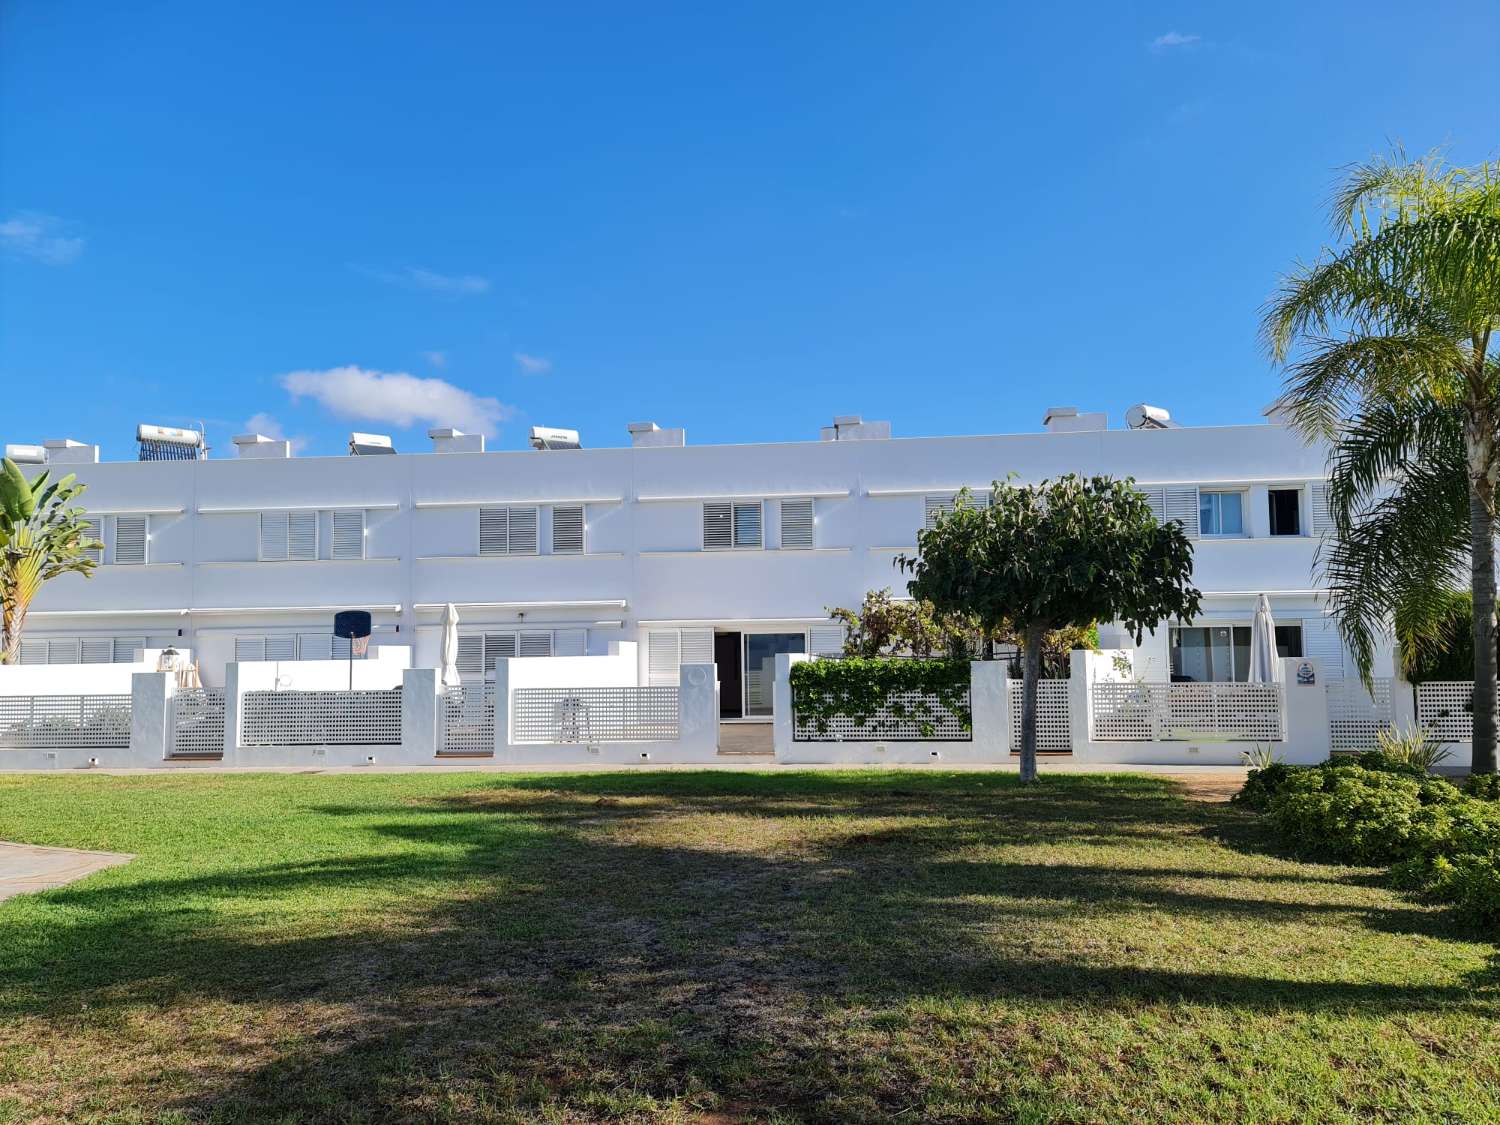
430,281
532,364
1173,40
269,426
437,359
29,234
396,397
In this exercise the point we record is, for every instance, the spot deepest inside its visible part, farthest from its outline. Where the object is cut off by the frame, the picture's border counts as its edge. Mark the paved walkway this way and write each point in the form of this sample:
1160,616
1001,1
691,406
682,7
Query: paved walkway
25,868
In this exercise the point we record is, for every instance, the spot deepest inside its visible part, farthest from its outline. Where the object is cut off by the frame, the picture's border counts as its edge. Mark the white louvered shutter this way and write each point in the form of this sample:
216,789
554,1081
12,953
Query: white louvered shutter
249,648
747,525
498,646
97,650
64,651
570,642
826,640
95,531
663,649
281,646
130,539
340,649
1182,506
567,530
535,644
348,534
314,646
1321,642
522,538
470,654
937,504
1157,499
494,531
718,531
126,650
696,646
302,535
1320,520
33,652
273,536
796,525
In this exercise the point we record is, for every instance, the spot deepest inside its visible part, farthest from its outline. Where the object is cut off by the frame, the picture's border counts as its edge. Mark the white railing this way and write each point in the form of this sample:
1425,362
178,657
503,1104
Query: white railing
468,717
595,714
321,718
908,716
1054,731
64,721
1190,712
1357,716
1445,708
198,721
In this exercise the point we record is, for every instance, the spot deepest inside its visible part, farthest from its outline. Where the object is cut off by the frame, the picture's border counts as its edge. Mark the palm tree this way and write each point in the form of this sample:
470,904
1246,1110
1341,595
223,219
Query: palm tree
42,535
1387,342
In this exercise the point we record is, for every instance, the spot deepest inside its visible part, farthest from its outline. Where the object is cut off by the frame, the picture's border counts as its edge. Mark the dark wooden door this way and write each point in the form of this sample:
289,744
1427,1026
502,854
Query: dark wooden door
731,675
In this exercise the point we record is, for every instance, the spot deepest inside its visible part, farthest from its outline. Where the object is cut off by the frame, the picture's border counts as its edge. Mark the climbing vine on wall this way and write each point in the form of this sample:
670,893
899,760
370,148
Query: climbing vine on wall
878,696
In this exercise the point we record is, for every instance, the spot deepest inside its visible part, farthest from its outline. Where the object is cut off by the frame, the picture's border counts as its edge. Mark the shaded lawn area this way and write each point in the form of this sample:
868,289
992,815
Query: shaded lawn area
708,947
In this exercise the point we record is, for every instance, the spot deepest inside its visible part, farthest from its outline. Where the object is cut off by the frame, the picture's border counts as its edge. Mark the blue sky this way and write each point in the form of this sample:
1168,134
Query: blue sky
738,219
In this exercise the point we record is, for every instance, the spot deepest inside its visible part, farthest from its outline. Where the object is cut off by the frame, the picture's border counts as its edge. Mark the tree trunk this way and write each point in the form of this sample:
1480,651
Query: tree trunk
1031,671
1482,575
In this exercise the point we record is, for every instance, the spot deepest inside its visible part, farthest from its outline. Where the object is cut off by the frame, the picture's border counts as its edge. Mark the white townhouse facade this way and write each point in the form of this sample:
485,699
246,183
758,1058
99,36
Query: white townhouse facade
722,553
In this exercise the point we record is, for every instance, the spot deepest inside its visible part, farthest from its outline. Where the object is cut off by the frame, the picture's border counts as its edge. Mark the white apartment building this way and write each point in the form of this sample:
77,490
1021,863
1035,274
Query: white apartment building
724,553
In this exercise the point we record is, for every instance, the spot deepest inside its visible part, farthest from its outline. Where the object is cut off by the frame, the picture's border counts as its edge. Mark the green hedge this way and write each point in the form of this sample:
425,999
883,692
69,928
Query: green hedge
1441,841
860,688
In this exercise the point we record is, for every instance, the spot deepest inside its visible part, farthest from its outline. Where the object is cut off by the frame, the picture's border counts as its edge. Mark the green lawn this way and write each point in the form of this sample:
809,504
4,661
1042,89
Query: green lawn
715,948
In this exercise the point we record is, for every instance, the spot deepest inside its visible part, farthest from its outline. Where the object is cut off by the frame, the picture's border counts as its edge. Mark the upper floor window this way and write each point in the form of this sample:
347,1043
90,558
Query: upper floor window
95,531
348,525
132,534
731,525
1286,510
288,536
507,531
1221,513
796,525
567,529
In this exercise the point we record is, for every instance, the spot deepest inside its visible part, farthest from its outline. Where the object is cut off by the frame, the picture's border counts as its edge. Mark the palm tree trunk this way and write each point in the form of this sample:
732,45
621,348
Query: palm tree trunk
1482,576
1031,671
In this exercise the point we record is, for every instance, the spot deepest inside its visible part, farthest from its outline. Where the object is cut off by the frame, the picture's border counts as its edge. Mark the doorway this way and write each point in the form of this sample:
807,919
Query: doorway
761,650
731,681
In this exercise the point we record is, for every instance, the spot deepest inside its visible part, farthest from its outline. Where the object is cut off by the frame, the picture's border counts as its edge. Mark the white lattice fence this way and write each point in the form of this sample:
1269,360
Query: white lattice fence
469,719
65,721
198,721
1054,732
1446,709
322,718
1209,712
1356,716
595,714
908,716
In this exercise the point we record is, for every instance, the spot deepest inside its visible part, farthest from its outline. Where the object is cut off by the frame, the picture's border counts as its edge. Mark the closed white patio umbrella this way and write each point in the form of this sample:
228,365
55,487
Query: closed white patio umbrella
449,673
1265,668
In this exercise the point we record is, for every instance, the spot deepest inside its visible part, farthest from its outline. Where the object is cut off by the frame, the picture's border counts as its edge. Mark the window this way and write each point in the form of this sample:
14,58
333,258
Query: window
727,525
668,649
292,646
1219,513
1286,511
940,502
1203,654
567,530
348,534
95,531
507,531
796,525
130,540
478,652
288,536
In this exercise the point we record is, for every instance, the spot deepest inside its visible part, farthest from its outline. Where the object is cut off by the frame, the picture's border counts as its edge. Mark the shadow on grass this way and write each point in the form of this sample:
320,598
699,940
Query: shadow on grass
608,941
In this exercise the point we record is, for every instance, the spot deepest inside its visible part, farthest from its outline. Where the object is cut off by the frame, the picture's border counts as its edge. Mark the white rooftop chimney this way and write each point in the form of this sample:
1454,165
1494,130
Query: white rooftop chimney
66,451
1068,420
248,446
650,435
853,427
1144,416
449,440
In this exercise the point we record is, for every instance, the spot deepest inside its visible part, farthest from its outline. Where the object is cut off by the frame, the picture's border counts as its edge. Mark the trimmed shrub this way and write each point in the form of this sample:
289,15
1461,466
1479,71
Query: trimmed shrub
1483,786
1263,784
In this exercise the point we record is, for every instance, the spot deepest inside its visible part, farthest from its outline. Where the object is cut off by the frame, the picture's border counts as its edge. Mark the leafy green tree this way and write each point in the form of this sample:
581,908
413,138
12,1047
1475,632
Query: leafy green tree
1388,342
1062,553
41,536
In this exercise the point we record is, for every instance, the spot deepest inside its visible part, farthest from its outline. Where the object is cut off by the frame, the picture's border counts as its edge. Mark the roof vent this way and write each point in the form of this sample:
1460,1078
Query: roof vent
1068,420
27,454
853,427
650,435
66,451
1143,416
549,437
258,445
455,441
370,445
170,443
